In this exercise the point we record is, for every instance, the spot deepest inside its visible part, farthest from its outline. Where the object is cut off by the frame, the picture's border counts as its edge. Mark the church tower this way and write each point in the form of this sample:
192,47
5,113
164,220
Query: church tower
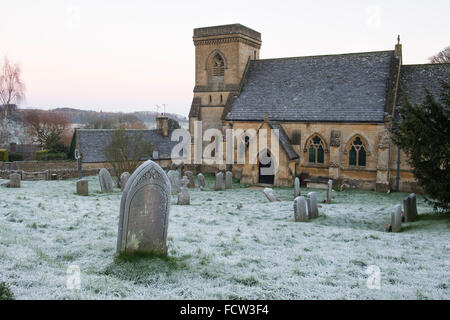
222,55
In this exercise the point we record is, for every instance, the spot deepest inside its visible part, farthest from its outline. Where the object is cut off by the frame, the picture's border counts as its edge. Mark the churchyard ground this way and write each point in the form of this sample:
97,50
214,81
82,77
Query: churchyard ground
217,251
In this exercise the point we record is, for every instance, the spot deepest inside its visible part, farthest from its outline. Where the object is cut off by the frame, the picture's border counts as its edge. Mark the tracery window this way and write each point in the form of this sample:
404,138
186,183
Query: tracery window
316,150
357,153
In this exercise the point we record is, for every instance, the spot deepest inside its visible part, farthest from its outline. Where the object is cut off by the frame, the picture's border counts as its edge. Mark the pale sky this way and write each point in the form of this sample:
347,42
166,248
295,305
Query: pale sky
117,55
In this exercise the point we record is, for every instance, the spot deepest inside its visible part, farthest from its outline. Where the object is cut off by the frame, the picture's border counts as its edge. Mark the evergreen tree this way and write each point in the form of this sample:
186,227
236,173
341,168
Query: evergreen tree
423,133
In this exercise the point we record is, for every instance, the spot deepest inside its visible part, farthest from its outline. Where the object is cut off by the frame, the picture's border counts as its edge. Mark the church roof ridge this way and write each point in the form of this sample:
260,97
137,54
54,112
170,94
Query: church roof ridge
324,55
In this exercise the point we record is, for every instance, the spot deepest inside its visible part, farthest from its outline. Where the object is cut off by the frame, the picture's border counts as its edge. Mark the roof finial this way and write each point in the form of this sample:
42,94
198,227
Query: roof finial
398,39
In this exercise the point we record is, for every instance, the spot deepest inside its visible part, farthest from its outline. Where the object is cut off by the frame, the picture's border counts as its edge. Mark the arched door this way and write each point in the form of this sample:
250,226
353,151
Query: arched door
266,168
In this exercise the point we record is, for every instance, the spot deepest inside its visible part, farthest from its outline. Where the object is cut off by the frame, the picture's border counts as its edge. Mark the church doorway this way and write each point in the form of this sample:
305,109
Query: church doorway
266,168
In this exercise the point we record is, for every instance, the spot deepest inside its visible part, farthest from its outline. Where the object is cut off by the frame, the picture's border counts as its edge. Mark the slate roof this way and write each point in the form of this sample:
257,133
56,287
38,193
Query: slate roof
332,88
284,141
92,143
414,78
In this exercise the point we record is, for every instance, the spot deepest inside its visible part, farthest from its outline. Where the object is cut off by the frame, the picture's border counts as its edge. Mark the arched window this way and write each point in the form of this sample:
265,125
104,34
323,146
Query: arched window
316,150
357,153
218,66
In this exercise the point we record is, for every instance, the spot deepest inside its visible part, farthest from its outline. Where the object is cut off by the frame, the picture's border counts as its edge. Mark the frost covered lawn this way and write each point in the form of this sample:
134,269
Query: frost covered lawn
219,252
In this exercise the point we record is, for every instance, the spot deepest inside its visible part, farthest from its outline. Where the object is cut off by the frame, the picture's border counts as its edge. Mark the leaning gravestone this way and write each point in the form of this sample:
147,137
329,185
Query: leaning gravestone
144,211
219,181
123,180
300,213
297,191
201,181
313,210
410,208
270,195
14,180
396,218
82,187
329,190
190,176
228,180
106,182
174,177
183,196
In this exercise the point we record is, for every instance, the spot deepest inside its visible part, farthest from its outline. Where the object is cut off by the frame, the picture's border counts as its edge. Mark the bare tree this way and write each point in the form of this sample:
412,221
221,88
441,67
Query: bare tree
47,128
441,57
12,90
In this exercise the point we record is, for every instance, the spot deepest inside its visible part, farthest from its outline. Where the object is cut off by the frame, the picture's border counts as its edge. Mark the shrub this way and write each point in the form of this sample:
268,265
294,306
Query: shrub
56,156
15,157
3,155
41,155
5,292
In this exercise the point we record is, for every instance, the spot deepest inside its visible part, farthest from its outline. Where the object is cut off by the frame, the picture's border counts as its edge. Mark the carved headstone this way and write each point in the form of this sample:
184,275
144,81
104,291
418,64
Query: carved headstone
219,181
190,176
183,196
396,219
410,208
144,211
106,182
270,195
313,210
174,177
201,181
228,180
82,187
123,180
329,190
297,191
300,213
14,180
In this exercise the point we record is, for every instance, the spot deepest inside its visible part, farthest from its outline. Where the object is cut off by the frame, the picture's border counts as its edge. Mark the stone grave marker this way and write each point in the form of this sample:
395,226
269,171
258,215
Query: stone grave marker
190,176
410,208
396,219
300,212
82,187
228,180
313,210
329,190
270,195
183,196
123,180
201,181
297,191
219,181
106,182
14,180
174,177
144,211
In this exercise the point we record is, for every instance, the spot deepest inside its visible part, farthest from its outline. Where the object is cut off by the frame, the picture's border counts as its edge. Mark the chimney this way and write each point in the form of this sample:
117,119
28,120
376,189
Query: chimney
162,125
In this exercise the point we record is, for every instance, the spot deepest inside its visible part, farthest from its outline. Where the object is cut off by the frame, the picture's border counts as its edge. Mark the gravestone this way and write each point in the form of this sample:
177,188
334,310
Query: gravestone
144,211
313,210
228,180
174,177
14,180
123,180
300,213
396,219
219,181
329,190
410,208
297,191
183,196
106,182
82,187
190,176
270,195
201,181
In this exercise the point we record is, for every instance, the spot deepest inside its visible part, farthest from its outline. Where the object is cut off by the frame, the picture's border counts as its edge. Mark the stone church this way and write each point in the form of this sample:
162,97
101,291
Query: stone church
332,111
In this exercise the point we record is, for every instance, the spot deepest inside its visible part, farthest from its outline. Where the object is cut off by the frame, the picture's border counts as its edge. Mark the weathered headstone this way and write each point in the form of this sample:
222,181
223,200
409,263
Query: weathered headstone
297,191
123,180
410,208
228,180
14,180
106,182
219,181
183,196
174,177
396,219
201,181
144,211
270,195
313,210
300,213
82,187
329,190
190,176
